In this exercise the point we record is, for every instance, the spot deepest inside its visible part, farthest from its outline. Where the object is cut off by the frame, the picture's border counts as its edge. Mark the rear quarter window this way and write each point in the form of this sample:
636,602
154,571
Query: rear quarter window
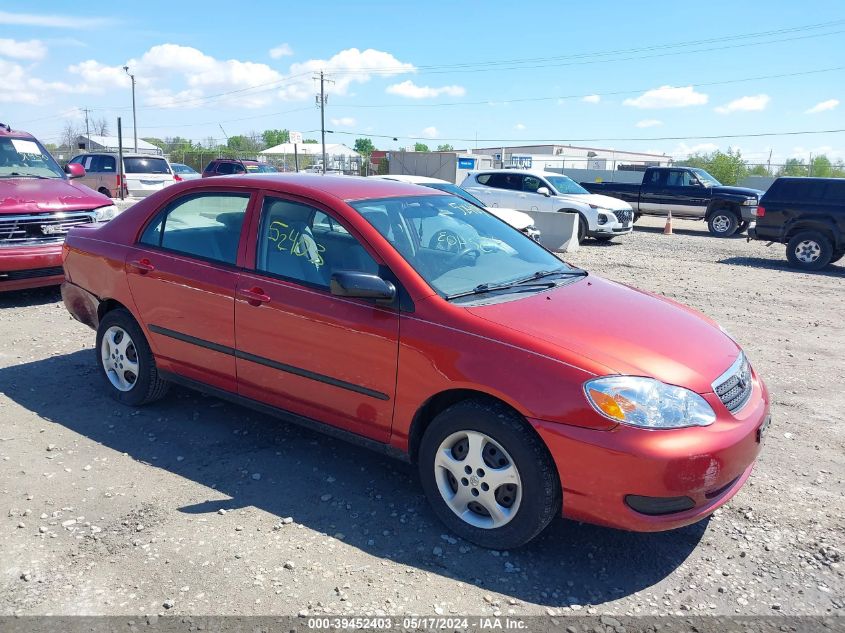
483,178
136,165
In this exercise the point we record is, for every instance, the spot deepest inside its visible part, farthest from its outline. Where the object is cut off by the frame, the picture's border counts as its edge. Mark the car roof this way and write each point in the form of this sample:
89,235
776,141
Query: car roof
125,154
419,180
530,172
4,131
346,188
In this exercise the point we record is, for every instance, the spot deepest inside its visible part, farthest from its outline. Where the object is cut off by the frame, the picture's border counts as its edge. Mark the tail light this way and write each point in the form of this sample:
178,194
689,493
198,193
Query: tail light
759,211
120,183
177,177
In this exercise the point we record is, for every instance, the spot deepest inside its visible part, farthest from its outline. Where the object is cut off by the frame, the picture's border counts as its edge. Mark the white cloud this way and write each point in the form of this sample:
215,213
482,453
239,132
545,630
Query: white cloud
823,106
18,86
343,69
98,77
519,126
345,121
649,123
430,132
53,20
668,97
19,49
412,91
591,99
821,150
753,103
282,50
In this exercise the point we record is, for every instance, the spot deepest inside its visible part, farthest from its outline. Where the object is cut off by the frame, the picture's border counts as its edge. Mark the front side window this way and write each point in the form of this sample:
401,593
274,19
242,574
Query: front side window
304,244
706,179
531,184
566,186
456,246
206,225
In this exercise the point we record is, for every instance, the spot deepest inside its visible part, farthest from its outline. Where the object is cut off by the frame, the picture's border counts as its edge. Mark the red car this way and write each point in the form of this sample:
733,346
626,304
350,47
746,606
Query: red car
38,205
522,387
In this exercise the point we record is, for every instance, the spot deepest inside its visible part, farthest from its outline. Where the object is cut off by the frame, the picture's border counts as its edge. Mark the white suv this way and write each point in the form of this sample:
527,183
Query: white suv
601,217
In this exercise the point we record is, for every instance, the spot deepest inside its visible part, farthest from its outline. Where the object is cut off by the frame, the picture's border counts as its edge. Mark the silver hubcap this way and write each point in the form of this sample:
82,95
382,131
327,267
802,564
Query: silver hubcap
478,479
808,251
721,223
120,358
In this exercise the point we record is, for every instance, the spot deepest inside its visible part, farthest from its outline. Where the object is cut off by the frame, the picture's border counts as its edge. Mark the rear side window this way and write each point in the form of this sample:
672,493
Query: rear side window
144,165
483,178
210,166
506,181
108,164
225,168
206,225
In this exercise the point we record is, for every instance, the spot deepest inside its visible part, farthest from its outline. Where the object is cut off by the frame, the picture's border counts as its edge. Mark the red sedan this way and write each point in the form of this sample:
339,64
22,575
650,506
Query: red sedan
415,322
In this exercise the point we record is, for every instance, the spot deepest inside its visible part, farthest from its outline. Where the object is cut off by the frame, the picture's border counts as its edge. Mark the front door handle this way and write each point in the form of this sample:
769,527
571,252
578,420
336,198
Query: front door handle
254,296
143,265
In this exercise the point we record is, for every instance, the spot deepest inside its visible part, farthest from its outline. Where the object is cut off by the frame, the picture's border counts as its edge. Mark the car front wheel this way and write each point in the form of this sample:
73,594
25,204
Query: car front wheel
723,223
126,360
487,475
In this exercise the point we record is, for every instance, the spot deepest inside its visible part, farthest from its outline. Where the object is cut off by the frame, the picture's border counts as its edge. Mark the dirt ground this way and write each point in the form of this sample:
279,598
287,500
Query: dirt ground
195,506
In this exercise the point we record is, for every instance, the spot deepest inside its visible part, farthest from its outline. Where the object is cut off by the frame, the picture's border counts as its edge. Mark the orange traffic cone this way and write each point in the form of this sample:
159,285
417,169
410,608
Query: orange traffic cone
667,230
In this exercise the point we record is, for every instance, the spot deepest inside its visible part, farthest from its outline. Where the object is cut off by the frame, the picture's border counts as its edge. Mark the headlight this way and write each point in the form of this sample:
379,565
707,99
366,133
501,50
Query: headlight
104,214
751,202
647,403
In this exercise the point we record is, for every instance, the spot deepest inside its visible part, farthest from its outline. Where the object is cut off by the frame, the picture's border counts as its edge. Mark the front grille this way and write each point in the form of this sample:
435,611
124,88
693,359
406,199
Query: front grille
734,386
40,228
624,216
14,275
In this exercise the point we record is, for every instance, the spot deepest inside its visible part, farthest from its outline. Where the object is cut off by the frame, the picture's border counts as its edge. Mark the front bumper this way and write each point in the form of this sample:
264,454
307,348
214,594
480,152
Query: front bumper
30,267
598,470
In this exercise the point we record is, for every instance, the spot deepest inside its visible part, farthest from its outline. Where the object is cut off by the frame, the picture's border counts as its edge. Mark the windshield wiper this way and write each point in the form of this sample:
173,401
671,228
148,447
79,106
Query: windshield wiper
485,288
16,174
569,272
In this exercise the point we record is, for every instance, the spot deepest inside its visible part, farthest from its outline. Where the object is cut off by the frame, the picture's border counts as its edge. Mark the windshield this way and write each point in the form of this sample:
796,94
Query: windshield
456,246
137,165
565,185
706,179
456,190
26,157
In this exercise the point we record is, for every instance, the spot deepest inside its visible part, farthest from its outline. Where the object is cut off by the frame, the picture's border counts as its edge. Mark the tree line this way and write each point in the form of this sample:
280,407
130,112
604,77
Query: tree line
730,167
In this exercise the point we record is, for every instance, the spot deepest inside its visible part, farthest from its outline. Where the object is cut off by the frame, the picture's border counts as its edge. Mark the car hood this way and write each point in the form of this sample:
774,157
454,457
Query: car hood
605,202
31,195
629,331
739,191
515,218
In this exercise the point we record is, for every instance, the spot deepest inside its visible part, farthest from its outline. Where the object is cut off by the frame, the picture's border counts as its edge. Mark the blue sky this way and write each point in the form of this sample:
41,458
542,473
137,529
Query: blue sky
443,72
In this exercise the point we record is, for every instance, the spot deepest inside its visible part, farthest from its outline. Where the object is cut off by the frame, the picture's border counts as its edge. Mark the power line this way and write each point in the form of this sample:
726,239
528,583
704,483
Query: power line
524,141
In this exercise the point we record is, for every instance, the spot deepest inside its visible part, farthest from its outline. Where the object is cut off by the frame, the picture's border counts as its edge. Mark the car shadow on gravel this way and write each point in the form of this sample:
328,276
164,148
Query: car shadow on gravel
29,298
366,499
833,270
702,232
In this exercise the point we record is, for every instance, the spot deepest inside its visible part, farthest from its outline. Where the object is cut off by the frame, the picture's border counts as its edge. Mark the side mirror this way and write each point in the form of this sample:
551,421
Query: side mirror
347,283
544,191
74,170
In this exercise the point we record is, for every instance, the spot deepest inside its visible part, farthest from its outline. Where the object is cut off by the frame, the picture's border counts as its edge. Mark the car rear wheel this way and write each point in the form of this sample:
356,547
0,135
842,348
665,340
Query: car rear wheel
722,223
809,250
487,475
126,360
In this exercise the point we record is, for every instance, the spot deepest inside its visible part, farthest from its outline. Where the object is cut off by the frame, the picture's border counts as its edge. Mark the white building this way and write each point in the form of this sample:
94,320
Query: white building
340,157
561,157
96,143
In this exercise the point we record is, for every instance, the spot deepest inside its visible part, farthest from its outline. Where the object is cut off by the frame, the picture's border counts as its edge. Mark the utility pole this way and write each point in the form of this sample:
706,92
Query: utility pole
769,164
87,132
321,102
134,118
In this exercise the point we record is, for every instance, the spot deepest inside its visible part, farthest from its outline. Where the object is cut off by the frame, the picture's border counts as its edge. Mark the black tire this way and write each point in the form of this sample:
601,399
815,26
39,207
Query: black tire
147,386
539,487
722,222
105,191
582,228
809,250
837,255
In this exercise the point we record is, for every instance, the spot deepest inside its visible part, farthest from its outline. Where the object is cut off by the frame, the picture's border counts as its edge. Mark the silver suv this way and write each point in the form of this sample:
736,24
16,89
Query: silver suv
144,173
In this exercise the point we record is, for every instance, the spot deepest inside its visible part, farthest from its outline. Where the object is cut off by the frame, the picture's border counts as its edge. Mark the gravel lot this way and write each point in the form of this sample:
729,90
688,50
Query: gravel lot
195,506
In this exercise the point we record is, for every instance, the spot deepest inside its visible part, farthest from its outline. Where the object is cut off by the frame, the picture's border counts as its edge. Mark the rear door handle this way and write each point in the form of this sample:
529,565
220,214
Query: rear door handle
143,265
254,296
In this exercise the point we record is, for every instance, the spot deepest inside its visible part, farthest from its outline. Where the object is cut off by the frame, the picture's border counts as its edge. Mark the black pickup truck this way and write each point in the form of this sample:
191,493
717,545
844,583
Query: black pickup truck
688,192
806,214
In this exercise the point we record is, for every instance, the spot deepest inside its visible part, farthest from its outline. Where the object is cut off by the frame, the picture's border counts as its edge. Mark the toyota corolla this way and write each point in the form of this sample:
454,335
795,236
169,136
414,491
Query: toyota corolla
522,388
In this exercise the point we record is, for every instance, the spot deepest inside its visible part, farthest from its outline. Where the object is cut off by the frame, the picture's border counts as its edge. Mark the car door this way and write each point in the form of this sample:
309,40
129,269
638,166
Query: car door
480,187
300,348
530,199
684,195
182,274
651,192
509,187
